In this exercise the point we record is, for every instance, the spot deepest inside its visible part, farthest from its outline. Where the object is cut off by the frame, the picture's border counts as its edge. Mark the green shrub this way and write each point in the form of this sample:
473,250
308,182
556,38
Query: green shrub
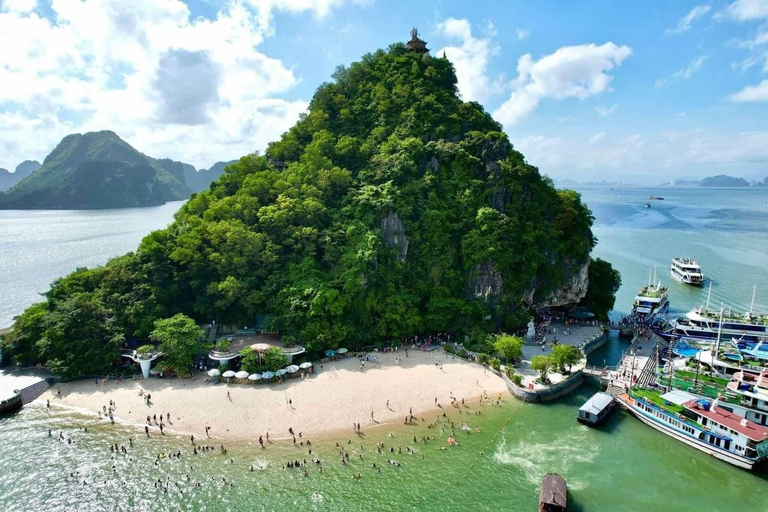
448,347
495,364
145,350
517,379
462,354
483,357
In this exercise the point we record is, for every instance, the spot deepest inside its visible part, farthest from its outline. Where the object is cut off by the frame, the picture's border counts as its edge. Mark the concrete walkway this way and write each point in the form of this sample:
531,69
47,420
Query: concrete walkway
577,336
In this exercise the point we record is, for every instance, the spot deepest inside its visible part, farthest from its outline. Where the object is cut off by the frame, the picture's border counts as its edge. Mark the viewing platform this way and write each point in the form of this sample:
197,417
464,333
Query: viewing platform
240,340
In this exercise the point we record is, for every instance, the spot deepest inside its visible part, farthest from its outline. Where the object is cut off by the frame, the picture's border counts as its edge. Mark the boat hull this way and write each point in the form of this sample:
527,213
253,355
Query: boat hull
683,280
695,443
14,404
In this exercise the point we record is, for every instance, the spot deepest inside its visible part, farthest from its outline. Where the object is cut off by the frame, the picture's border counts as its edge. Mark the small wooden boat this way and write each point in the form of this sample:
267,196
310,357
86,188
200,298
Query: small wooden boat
554,494
10,401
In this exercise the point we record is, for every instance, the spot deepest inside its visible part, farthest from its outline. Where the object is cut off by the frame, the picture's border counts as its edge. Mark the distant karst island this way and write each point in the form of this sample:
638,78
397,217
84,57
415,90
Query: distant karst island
100,170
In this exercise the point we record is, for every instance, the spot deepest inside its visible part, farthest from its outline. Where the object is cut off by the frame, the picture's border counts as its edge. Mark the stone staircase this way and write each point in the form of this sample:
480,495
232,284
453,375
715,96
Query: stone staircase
30,393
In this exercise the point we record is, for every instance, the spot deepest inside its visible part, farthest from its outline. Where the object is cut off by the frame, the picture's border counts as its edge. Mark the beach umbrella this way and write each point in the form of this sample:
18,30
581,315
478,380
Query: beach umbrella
254,376
228,374
267,375
280,372
214,373
330,353
292,368
261,347
241,375
342,351
306,365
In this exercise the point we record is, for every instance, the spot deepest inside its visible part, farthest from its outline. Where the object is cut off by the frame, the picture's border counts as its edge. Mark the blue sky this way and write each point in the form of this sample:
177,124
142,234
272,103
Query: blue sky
626,91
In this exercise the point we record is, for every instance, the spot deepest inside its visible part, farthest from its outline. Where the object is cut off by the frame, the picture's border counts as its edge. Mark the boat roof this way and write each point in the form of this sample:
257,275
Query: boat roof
751,430
553,491
699,313
678,397
6,393
597,403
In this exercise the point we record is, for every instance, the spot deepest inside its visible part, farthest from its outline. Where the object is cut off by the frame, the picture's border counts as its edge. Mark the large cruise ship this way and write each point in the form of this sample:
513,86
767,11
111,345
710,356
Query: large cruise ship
686,271
701,326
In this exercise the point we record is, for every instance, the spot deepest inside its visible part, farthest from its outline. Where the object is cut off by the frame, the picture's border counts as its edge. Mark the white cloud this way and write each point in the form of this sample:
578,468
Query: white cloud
606,111
192,89
685,22
470,60
692,67
660,83
746,10
672,154
596,138
521,34
752,93
569,72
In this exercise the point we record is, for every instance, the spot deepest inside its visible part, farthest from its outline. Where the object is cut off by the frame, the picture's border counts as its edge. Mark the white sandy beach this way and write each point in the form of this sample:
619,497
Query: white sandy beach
330,401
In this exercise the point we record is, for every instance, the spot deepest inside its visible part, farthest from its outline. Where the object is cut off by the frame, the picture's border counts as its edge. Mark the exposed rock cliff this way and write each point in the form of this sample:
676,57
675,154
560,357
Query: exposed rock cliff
393,234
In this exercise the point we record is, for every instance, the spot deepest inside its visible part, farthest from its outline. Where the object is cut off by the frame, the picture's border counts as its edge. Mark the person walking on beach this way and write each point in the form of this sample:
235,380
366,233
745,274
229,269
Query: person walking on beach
372,416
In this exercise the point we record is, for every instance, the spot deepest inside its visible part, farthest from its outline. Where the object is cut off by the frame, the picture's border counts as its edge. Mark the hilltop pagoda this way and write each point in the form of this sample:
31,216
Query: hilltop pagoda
416,45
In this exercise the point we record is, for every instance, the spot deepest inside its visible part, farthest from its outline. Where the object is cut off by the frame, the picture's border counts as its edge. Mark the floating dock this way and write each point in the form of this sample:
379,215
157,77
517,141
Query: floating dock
596,408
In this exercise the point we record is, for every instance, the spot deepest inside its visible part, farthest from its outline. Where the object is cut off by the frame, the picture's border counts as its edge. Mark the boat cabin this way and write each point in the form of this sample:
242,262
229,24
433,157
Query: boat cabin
554,494
596,408
729,431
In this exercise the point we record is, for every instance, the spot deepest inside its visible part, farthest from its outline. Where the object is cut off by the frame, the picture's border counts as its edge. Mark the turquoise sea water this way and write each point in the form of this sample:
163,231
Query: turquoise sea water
38,246
622,465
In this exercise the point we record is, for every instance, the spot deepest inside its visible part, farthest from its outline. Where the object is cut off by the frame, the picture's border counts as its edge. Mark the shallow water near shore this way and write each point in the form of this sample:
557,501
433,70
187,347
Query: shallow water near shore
622,465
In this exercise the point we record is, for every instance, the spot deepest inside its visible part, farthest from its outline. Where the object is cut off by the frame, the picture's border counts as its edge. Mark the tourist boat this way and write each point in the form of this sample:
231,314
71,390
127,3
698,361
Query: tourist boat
596,408
702,424
702,326
655,198
10,400
686,271
753,390
553,496
650,302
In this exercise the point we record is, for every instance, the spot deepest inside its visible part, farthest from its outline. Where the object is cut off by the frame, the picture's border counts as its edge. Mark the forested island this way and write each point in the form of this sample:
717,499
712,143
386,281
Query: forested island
100,170
391,208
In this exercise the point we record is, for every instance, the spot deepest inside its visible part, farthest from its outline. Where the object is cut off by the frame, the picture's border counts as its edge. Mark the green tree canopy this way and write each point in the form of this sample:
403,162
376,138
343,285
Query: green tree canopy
179,338
565,356
273,359
79,337
508,347
249,360
604,282
542,365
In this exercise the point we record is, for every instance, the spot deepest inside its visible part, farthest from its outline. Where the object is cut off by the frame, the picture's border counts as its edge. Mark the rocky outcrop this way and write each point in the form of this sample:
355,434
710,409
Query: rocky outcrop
393,234
486,283
571,291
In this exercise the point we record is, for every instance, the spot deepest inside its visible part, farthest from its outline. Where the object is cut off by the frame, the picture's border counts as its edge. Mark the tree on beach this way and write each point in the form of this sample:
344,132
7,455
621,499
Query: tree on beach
179,338
249,360
508,347
541,364
274,359
604,282
565,356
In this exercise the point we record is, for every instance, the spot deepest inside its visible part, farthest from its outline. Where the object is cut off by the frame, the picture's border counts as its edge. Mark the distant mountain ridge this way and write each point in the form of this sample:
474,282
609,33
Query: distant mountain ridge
100,170
24,169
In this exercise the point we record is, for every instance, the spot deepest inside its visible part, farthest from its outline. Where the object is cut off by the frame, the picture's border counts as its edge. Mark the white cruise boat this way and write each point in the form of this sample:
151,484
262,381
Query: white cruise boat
686,271
702,424
650,302
701,326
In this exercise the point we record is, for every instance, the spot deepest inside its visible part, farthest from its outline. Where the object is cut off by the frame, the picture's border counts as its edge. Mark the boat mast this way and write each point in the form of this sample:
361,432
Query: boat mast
709,294
717,345
752,306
